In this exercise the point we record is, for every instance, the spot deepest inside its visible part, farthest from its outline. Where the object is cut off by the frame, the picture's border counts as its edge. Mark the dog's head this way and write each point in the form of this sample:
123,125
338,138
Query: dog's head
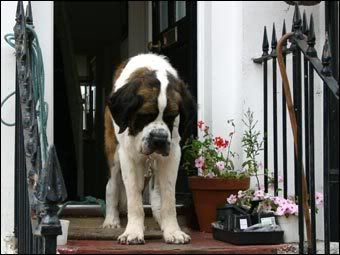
154,107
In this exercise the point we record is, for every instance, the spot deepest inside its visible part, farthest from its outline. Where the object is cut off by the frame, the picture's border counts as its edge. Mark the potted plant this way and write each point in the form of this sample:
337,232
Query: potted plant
212,175
286,210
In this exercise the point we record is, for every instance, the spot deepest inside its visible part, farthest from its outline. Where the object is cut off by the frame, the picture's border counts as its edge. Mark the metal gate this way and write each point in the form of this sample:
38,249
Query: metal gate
39,185
303,67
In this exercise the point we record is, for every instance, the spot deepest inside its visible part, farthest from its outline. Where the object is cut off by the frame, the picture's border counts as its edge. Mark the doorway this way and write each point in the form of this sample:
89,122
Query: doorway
90,40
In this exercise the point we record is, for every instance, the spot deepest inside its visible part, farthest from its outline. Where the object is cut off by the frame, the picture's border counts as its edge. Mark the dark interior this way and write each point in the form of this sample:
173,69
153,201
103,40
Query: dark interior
90,40
87,42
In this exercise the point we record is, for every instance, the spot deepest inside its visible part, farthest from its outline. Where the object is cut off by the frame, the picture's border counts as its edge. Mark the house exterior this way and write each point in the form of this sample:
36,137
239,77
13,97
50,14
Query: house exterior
229,36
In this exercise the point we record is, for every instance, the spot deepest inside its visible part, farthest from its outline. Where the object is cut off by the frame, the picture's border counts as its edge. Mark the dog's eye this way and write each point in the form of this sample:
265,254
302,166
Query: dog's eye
146,117
140,121
169,118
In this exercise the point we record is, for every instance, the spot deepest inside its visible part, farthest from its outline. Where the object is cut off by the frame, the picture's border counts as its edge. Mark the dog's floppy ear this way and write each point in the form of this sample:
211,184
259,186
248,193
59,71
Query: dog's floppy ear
188,110
123,103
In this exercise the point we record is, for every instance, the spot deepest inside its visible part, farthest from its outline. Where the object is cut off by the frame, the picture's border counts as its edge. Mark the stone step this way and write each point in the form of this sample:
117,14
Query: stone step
89,228
95,210
200,243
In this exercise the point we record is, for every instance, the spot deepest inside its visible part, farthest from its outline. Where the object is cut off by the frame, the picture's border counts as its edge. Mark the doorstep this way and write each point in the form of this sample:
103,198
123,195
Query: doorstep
200,243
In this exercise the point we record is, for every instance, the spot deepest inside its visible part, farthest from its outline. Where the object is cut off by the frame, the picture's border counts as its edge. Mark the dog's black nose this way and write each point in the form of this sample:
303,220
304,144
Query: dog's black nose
158,138
159,141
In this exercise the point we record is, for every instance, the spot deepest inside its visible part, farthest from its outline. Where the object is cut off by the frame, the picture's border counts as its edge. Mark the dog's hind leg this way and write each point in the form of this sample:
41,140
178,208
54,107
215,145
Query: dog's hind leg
112,198
112,187
122,195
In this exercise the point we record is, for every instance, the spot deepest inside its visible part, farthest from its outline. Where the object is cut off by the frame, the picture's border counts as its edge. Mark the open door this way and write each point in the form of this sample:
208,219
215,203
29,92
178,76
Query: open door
174,35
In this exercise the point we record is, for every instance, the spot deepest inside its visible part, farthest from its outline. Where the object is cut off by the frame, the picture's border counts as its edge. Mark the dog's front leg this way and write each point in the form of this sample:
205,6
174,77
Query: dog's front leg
167,175
133,180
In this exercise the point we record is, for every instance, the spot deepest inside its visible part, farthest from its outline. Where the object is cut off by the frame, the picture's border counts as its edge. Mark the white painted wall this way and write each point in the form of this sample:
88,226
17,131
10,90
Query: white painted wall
229,36
43,20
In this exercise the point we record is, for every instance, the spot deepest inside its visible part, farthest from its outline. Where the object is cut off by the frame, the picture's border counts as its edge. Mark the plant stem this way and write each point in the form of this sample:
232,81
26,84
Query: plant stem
258,182
231,139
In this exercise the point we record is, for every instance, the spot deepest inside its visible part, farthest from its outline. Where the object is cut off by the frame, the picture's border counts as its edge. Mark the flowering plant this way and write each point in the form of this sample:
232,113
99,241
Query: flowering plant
211,156
252,145
278,205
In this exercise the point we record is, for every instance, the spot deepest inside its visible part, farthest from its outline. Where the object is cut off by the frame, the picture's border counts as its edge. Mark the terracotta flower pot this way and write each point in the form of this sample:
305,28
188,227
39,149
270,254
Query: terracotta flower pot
208,193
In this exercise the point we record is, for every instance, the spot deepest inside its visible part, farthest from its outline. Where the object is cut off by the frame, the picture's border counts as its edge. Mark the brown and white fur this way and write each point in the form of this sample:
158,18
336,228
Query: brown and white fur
146,114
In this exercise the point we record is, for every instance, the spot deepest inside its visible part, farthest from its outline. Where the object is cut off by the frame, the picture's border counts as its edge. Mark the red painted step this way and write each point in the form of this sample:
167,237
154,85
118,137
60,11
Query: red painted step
200,243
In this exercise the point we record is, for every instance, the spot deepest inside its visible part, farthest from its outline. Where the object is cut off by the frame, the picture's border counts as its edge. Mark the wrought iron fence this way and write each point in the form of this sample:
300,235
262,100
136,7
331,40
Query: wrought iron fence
302,40
39,185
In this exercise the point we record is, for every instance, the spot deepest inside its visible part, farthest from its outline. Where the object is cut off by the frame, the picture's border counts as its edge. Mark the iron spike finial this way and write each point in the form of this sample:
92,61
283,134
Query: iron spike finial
53,189
311,39
265,44
296,18
284,31
18,27
20,10
29,16
304,23
274,40
326,58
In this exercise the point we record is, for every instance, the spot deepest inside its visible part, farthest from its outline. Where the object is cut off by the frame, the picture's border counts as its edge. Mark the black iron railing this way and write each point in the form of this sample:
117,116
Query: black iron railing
39,185
302,42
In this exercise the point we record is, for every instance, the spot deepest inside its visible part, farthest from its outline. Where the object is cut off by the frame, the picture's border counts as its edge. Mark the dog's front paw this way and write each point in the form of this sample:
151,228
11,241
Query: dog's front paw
130,237
176,237
111,223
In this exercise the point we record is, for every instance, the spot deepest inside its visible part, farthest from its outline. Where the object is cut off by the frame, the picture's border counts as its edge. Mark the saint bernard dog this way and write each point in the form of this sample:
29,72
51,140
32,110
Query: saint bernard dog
146,114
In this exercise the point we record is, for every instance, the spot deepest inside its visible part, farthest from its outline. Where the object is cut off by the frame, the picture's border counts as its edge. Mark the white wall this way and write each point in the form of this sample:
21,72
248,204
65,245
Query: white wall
229,36
43,20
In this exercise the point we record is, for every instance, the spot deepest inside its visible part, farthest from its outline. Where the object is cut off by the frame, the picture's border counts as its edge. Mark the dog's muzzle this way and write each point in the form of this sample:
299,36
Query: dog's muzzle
158,141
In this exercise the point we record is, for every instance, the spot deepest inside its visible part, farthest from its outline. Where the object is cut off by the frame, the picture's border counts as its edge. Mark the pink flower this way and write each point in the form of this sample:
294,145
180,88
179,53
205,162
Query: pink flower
259,194
290,201
280,211
211,175
200,172
318,198
292,209
280,179
199,162
283,202
201,125
232,199
279,201
220,165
